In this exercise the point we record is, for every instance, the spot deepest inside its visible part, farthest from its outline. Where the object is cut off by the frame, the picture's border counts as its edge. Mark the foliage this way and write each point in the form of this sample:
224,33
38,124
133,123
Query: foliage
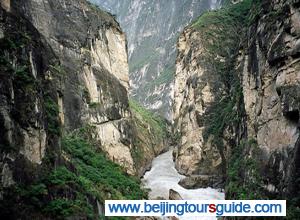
221,34
255,11
140,62
151,132
52,112
58,69
71,188
87,96
175,138
94,104
156,123
63,208
244,179
23,73
293,206
293,200
226,112
12,60
106,176
164,78
227,16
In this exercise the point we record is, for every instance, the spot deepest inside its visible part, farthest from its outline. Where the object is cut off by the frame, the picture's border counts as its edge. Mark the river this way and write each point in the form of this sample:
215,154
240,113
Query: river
163,176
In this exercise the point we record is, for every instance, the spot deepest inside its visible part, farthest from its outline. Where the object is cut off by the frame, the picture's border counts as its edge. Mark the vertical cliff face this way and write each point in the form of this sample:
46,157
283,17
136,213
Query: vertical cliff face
271,91
207,90
92,51
152,28
236,103
64,112
28,121
195,90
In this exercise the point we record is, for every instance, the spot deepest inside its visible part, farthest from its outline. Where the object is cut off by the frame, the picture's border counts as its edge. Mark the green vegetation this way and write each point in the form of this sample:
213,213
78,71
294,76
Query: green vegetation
86,96
58,70
11,47
157,123
94,104
99,173
151,131
223,34
58,194
255,11
222,37
244,179
52,112
293,204
85,177
175,138
149,54
223,114
142,61
22,73
164,78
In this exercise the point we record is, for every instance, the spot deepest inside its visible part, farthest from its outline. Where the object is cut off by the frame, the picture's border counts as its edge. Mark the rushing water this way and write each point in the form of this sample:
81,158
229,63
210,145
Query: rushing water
163,176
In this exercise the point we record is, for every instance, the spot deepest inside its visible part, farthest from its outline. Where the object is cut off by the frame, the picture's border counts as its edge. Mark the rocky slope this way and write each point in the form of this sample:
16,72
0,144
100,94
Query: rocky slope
92,54
152,28
271,89
203,89
236,105
65,112
93,57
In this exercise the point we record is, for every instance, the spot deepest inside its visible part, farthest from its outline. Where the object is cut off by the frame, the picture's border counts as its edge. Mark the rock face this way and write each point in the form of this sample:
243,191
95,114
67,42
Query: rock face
152,28
194,92
201,181
63,70
271,83
173,195
261,129
92,51
27,94
93,54
65,114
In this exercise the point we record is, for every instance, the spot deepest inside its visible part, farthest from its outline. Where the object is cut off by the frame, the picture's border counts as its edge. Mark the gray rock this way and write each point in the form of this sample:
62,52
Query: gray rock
151,44
202,181
173,195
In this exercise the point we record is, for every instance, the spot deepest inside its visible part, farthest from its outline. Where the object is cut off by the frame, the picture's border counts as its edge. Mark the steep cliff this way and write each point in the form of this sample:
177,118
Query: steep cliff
150,136
92,52
236,105
29,119
152,28
271,83
65,113
207,89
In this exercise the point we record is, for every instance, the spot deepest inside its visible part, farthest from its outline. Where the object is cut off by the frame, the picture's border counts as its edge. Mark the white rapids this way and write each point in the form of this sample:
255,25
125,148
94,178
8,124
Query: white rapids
163,176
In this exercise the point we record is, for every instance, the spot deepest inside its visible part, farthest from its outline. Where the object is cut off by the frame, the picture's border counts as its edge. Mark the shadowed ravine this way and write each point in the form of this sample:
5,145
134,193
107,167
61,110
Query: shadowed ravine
163,176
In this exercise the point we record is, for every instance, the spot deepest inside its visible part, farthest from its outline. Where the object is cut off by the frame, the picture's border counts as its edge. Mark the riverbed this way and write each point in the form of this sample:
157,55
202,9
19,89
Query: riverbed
163,176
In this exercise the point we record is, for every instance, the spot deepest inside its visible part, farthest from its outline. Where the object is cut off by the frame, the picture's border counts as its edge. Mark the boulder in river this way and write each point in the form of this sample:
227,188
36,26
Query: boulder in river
202,181
174,195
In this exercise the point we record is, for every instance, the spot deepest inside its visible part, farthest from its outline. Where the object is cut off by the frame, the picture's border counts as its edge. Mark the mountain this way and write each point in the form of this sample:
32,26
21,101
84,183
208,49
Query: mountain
69,138
152,29
237,101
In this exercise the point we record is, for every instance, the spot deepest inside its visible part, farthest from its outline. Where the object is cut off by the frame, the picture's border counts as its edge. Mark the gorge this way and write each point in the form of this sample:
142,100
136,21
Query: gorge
195,100
152,40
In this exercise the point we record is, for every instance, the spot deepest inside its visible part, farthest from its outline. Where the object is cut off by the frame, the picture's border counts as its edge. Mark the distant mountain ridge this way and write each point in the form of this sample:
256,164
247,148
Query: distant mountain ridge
152,29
